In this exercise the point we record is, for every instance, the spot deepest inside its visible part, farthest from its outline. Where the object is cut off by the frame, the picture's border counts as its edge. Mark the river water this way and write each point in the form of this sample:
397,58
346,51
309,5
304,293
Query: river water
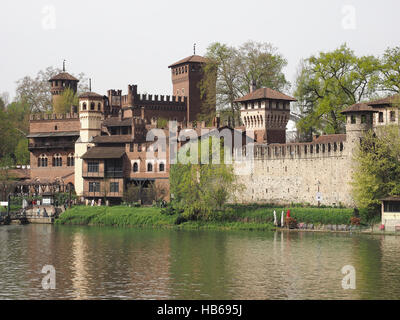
115,263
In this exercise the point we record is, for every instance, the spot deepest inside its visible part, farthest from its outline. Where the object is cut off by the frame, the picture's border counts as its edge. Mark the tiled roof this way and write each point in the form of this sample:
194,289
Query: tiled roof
388,100
53,134
117,122
330,138
64,76
91,95
104,153
359,107
113,139
265,93
193,58
391,198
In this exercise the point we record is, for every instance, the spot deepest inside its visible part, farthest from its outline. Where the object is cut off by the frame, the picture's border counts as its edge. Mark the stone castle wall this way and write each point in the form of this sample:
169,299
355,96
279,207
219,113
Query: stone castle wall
294,173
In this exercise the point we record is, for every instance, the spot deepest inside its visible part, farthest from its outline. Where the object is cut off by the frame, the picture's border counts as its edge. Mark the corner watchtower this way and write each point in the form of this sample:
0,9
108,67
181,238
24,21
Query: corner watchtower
59,83
186,76
359,119
266,112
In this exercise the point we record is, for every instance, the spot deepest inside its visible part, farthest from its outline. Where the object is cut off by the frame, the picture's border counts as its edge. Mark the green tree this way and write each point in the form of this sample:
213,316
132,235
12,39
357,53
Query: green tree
377,167
200,187
68,98
22,152
390,69
328,83
232,71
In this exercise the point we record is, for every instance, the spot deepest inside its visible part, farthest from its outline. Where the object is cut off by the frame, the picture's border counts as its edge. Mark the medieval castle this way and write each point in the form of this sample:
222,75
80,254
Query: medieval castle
99,148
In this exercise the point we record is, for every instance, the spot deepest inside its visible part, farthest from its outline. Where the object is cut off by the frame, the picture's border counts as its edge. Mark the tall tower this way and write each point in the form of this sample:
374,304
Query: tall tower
91,108
186,76
59,83
359,119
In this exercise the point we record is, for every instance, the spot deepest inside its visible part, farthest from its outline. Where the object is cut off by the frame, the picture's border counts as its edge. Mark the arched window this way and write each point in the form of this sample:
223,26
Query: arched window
99,106
149,167
71,160
84,106
162,167
135,167
42,161
57,160
92,106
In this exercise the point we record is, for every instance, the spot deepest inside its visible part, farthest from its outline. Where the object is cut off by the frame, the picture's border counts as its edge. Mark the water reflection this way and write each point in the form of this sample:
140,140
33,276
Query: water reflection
108,263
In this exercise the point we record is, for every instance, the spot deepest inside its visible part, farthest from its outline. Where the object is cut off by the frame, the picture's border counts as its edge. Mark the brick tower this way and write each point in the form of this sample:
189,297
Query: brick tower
59,83
186,76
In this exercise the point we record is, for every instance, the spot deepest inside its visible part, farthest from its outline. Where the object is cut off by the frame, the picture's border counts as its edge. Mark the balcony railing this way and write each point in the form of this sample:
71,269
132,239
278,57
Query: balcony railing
101,194
48,145
103,174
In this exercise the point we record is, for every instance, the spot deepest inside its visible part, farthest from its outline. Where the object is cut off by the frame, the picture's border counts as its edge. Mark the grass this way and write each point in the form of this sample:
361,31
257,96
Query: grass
236,217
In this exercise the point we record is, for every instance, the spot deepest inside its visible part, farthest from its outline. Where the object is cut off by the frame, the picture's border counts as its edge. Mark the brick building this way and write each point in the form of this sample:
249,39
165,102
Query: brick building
100,147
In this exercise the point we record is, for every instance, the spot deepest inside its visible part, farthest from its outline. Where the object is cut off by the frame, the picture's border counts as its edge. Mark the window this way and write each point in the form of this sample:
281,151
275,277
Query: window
84,106
185,69
252,105
162,167
363,118
177,92
99,106
259,104
55,127
139,148
380,117
57,160
93,166
131,147
353,119
71,160
149,167
94,186
42,161
135,167
92,106
114,186
392,116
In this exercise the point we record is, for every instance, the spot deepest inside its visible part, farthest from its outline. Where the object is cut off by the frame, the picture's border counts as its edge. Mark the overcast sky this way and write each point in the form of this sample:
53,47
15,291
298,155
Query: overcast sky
117,42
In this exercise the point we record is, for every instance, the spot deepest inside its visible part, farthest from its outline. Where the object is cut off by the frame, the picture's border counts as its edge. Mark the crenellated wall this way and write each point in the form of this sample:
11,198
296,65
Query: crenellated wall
295,173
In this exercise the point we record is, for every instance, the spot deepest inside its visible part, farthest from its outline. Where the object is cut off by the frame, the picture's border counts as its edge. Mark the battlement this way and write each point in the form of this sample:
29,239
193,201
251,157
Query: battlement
53,116
113,92
298,150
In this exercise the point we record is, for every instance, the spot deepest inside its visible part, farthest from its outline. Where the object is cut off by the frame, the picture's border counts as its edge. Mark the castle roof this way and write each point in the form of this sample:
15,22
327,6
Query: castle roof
104,153
388,100
330,138
193,58
64,76
265,93
90,95
359,107
117,122
113,139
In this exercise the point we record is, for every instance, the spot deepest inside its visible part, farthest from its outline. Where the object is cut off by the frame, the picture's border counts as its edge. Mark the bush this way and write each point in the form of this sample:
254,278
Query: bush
180,219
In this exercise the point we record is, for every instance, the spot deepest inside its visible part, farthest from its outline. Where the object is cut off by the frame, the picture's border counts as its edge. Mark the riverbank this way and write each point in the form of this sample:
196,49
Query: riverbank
236,217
